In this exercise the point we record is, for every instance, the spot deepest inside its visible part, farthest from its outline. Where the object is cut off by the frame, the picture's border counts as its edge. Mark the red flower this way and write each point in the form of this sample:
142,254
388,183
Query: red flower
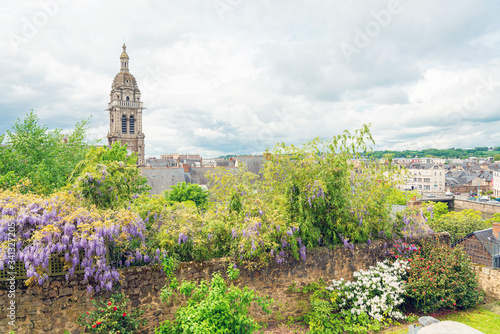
454,304
109,303
93,326
423,293
124,313
97,322
114,309
87,313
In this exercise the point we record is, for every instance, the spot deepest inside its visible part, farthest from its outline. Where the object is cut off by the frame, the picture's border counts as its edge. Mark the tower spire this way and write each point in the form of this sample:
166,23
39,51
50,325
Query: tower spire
124,59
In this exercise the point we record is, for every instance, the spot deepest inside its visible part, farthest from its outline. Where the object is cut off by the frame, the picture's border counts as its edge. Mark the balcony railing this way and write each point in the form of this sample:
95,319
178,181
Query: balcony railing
129,104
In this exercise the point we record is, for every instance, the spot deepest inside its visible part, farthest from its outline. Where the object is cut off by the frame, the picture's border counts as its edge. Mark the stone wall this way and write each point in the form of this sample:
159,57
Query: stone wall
489,280
55,306
483,207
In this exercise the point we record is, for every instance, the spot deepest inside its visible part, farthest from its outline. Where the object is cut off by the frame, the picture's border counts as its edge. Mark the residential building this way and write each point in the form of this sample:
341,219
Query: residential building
426,178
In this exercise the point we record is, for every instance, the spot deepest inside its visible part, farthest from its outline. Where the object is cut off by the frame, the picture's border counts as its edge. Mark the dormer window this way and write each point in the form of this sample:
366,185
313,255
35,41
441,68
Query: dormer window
128,98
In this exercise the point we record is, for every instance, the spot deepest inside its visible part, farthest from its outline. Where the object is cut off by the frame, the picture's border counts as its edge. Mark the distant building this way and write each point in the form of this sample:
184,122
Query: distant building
125,111
496,183
425,177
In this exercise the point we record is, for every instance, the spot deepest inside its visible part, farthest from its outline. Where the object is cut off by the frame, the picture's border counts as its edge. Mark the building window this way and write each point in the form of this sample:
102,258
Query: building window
124,124
132,121
128,98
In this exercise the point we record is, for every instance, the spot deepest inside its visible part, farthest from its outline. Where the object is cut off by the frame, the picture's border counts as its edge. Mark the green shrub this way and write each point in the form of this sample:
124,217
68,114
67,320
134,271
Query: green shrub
459,224
214,308
188,192
111,316
440,277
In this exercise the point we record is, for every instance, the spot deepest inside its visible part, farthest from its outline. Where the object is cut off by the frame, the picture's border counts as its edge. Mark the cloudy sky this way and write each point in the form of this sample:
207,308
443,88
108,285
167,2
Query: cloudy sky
236,76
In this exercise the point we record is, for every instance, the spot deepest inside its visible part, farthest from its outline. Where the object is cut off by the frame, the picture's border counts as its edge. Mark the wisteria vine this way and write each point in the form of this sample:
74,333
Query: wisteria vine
58,227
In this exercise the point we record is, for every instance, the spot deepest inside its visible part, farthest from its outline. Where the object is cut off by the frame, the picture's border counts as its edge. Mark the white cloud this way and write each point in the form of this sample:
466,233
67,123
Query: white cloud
259,72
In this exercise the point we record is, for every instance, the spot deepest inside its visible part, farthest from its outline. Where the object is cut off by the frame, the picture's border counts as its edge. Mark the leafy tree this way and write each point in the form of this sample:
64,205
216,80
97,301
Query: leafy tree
108,178
496,157
434,210
45,158
400,197
319,191
188,192
459,224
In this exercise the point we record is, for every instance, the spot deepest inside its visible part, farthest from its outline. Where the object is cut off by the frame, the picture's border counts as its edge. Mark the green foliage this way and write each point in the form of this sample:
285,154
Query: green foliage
495,219
108,178
46,158
307,196
111,316
400,197
316,188
441,278
459,224
326,317
188,192
150,207
214,308
434,210
170,265
436,153
496,157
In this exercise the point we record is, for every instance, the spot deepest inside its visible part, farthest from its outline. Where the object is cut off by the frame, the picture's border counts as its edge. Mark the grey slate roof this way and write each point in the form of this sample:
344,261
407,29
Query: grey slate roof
161,179
489,242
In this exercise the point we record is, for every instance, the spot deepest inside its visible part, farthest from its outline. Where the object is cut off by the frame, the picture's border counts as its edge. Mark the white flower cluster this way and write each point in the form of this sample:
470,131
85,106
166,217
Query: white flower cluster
376,291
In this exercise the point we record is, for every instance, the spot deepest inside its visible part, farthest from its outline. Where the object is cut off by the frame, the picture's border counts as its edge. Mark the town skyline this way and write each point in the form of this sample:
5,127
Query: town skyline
237,77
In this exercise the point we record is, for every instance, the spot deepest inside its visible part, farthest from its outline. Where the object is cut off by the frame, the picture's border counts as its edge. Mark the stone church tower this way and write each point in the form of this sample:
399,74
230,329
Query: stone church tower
125,111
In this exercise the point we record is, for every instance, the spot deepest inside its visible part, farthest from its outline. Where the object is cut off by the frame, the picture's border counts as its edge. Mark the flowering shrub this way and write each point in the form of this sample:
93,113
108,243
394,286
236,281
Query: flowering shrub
111,317
441,278
108,178
57,228
402,250
361,305
250,237
377,291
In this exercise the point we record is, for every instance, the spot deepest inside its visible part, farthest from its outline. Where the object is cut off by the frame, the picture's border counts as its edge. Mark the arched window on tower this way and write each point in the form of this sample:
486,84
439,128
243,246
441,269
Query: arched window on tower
124,124
132,124
128,99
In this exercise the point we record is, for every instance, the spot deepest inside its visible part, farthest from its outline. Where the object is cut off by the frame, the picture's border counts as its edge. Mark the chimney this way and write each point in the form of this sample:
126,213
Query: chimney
186,168
496,230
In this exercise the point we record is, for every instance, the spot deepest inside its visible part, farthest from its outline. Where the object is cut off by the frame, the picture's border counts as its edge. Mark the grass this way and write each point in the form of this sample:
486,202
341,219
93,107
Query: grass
485,318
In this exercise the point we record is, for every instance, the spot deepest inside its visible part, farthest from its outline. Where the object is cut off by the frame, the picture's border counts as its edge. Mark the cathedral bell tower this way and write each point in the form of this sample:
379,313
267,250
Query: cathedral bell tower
125,111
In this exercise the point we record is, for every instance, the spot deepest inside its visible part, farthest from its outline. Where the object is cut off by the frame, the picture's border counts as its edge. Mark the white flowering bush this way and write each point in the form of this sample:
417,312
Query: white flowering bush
377,291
